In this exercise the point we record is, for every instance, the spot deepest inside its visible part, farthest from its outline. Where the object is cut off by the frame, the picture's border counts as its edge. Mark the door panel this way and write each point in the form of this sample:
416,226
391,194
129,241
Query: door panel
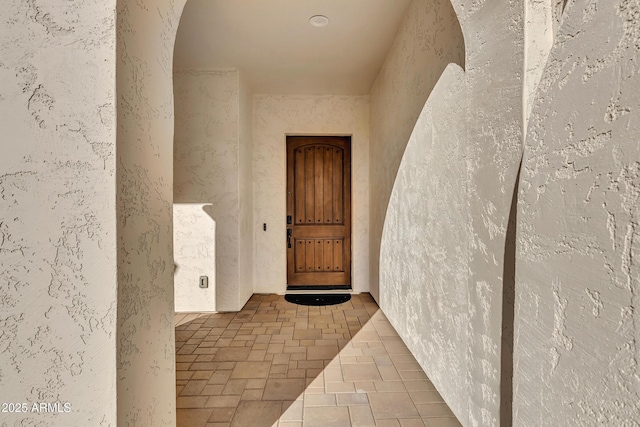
319,203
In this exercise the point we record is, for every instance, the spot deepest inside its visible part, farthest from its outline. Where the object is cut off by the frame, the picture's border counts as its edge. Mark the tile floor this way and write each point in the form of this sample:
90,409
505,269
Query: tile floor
182,318
279,364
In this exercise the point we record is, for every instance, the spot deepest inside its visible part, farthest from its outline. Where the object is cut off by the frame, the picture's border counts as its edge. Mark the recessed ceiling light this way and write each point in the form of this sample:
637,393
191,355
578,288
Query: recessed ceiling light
319,20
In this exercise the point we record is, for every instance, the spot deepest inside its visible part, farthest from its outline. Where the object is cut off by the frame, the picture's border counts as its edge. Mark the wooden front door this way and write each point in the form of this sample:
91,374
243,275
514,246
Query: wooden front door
319,211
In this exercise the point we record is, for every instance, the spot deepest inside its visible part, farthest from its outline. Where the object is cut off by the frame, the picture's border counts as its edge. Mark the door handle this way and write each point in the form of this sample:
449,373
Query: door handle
289,234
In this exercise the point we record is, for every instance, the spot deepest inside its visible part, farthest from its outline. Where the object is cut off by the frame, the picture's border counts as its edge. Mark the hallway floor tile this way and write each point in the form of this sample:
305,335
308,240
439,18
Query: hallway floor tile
277,364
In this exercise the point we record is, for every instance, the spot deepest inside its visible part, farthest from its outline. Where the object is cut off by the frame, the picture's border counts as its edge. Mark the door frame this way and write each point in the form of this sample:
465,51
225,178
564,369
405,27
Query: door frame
348,170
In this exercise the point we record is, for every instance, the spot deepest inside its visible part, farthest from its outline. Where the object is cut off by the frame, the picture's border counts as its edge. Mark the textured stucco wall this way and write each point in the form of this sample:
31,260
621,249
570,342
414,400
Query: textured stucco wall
206,172
245,186
538,38
494,137
428,39
493,118
425,243
212,174
194,255
145,337
58,268
577,348
557,10
275,117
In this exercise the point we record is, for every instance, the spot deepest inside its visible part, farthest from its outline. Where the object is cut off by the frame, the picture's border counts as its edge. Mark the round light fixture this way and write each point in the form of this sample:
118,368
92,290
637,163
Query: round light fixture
319,21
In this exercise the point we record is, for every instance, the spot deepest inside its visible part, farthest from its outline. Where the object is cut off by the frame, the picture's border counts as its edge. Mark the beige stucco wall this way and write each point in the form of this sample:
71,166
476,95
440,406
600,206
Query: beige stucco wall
86,216
429,38
194,255
425,243
205,188
473,264
578,276
275,117
494,138
57,210
212,190
245,188
539,29
145,335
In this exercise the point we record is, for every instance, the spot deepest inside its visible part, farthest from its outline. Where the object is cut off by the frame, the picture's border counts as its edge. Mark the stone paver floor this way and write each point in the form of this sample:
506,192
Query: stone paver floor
279,364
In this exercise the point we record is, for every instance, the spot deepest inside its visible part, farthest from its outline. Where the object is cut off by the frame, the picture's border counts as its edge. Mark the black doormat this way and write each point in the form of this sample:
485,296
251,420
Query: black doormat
317,299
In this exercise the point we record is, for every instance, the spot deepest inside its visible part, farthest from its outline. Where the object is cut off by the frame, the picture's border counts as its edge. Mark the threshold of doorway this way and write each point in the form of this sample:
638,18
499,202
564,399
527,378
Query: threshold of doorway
319,289
316,288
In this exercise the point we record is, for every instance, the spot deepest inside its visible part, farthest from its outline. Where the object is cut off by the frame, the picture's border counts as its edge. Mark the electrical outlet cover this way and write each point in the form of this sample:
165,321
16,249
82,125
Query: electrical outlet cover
204,282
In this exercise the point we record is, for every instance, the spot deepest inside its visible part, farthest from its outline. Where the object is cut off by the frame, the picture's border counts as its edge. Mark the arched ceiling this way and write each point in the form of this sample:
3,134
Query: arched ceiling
279,52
